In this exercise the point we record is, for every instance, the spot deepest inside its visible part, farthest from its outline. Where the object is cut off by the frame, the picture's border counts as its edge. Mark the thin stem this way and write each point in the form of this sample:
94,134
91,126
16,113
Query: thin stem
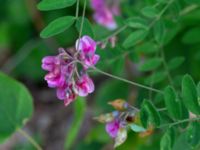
82,21
77,8
166,67
30,139
179,122
127,81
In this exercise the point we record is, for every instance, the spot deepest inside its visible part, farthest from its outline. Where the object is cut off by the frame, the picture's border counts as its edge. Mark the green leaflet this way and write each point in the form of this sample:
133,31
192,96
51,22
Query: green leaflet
57,26
150,64
137,22
149,12
172,103
54,4
137,128
189,94
167,140
149,114
175,62
134,38
16,106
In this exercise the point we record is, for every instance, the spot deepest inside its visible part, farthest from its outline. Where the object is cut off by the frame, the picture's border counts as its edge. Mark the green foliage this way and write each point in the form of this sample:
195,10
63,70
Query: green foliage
156,77
149,12
189,94
149,115
174,63
167,140
15,106
172,103
159,31
137,22
150,64
188,36
54,4
79,114
193,135
57,26
134,38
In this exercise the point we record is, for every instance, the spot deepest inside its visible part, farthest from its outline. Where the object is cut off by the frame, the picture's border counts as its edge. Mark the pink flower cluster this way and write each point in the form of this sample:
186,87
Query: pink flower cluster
105,10
63,72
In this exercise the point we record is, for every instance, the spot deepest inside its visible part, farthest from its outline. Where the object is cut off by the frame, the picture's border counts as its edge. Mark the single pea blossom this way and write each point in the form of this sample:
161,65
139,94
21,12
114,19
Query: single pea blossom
112,128
104,12
118,122
63,73
87,47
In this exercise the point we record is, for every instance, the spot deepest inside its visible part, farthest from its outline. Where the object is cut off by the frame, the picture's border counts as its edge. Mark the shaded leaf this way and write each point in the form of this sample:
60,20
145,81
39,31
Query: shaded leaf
147,48
16,106
193,135
191,36
156,77
134,38
149,114
150,64
175,62
159,31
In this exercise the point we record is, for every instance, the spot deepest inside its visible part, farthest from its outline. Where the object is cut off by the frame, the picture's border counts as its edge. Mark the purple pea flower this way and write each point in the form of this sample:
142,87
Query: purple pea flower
87,47
112,128
63,73
104,12
84,85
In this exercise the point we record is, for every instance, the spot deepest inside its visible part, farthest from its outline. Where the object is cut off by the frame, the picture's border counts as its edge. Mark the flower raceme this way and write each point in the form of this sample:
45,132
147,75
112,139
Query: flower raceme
104,12
63,73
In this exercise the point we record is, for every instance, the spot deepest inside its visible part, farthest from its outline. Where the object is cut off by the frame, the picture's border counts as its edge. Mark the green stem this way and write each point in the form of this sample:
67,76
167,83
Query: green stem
127,81
179,122
166,67
30,139
77,8
81,28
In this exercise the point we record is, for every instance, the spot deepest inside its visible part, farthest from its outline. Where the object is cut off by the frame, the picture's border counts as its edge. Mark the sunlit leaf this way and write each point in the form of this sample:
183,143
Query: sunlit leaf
137,128
57,26
149,12
189,94
172,103
137,22
167,140
54,4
